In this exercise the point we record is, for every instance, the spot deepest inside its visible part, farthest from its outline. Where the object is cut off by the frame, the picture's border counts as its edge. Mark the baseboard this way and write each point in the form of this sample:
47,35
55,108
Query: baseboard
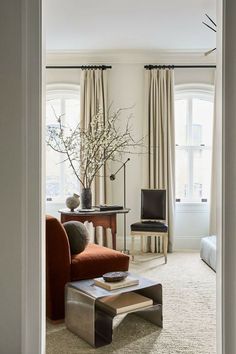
187,243
120,243
55,322
190,243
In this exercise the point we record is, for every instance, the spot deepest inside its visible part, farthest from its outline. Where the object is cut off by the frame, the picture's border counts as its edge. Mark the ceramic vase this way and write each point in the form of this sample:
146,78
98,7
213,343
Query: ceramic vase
73,202
86,198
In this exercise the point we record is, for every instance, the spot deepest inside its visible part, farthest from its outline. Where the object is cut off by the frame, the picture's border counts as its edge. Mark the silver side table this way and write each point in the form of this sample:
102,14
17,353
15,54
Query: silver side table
84,318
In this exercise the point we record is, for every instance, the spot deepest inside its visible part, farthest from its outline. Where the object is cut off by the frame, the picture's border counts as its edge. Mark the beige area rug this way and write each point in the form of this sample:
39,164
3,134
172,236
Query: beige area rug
189,314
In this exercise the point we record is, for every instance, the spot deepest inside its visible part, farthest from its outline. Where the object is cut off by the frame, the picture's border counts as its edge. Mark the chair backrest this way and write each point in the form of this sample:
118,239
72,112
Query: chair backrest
153,204
58,267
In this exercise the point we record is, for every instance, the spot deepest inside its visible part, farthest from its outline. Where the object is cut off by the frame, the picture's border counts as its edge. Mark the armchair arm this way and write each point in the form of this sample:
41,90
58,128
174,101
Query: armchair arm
58,268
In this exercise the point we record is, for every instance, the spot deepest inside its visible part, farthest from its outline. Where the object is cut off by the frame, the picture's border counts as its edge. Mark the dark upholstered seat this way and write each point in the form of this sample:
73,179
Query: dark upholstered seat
153,208
152,226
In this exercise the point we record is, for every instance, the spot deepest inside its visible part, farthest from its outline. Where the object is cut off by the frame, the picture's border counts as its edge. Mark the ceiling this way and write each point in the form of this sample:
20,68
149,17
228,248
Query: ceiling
73,25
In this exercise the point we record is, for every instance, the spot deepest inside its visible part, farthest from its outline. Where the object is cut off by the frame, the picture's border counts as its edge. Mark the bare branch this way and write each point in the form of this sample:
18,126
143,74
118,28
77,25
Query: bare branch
90,148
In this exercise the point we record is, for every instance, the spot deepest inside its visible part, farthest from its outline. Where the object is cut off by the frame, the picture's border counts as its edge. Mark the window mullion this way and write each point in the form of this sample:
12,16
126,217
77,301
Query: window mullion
190,156
190,153
62,169
189,122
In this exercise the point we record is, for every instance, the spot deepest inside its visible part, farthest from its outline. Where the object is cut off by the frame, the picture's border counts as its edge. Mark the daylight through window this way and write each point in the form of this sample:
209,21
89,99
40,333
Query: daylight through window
60,180
193,138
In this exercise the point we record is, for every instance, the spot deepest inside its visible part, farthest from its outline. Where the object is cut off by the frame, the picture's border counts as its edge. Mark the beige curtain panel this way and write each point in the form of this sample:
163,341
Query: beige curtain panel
160,132
93,94
93,97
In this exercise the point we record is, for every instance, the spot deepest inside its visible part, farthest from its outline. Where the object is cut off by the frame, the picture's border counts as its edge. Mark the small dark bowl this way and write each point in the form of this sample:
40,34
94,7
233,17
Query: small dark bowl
114,276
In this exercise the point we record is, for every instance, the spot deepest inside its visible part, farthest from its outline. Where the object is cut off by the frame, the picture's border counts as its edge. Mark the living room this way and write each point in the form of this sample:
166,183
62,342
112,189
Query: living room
187,281
123,60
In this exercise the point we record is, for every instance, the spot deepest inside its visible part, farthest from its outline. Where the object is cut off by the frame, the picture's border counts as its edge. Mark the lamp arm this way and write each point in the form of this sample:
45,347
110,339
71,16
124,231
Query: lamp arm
114,174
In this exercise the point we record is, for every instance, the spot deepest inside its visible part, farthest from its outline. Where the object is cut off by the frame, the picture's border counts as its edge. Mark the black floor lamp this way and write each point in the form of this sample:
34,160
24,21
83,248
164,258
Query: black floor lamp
112,178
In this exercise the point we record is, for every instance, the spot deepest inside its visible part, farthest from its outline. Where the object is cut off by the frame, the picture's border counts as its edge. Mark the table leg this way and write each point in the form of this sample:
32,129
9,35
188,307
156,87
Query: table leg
83,319
142,244
113,230
104,236
80,314
152,314
165,240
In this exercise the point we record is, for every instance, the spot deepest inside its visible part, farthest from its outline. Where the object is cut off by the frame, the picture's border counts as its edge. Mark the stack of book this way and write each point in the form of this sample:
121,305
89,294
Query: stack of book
110,207
129,281
126,302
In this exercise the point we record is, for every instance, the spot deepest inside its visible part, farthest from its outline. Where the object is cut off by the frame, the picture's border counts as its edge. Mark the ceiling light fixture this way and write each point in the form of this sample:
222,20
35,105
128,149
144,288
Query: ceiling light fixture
213,28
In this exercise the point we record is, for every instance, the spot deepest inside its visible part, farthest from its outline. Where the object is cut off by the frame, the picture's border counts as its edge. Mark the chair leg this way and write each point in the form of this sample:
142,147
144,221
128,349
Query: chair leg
132,247
142,244
165,240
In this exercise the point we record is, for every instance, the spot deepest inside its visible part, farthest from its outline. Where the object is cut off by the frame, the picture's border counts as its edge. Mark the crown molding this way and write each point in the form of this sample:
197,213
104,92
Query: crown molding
129,57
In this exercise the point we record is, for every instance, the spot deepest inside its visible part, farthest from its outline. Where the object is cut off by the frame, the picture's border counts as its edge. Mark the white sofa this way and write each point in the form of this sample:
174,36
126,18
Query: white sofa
208,251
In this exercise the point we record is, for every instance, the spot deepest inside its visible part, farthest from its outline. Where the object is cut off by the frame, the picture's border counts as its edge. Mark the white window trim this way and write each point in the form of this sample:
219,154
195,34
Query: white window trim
57,89
62,86
204,90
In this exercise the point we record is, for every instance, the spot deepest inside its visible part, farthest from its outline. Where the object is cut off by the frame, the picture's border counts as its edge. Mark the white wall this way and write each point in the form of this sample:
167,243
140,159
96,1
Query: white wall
10,186
198,76
21,251
126,89
62,76
229,177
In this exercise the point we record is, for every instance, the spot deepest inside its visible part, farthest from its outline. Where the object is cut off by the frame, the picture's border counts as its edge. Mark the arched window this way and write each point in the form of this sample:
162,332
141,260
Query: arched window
60,181
193,138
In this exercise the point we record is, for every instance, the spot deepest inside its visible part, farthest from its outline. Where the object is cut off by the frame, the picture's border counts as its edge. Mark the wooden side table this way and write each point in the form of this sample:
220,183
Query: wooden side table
106,219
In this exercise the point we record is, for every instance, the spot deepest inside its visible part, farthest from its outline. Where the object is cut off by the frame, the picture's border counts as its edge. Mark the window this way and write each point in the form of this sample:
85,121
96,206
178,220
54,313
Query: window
193,138
60,180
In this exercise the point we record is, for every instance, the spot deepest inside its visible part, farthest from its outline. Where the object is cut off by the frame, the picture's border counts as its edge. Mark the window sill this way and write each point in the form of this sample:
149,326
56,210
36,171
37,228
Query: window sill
192,203
192,207
53,202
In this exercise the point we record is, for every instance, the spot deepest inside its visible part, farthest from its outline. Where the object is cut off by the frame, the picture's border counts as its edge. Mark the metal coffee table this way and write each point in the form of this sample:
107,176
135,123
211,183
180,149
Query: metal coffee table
84,318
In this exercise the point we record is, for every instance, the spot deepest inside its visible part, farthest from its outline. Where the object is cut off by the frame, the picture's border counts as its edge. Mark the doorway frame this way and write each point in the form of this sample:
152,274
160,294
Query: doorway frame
33,249
33,333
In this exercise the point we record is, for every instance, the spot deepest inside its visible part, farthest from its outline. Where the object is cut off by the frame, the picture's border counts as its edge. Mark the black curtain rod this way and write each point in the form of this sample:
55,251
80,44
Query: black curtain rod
83,67
149,67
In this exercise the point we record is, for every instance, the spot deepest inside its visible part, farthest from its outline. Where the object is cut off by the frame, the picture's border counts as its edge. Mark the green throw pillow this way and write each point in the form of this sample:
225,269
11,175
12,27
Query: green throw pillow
78,236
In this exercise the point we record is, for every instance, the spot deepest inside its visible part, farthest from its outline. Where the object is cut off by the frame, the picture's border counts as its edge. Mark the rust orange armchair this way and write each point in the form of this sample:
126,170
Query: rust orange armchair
62,267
